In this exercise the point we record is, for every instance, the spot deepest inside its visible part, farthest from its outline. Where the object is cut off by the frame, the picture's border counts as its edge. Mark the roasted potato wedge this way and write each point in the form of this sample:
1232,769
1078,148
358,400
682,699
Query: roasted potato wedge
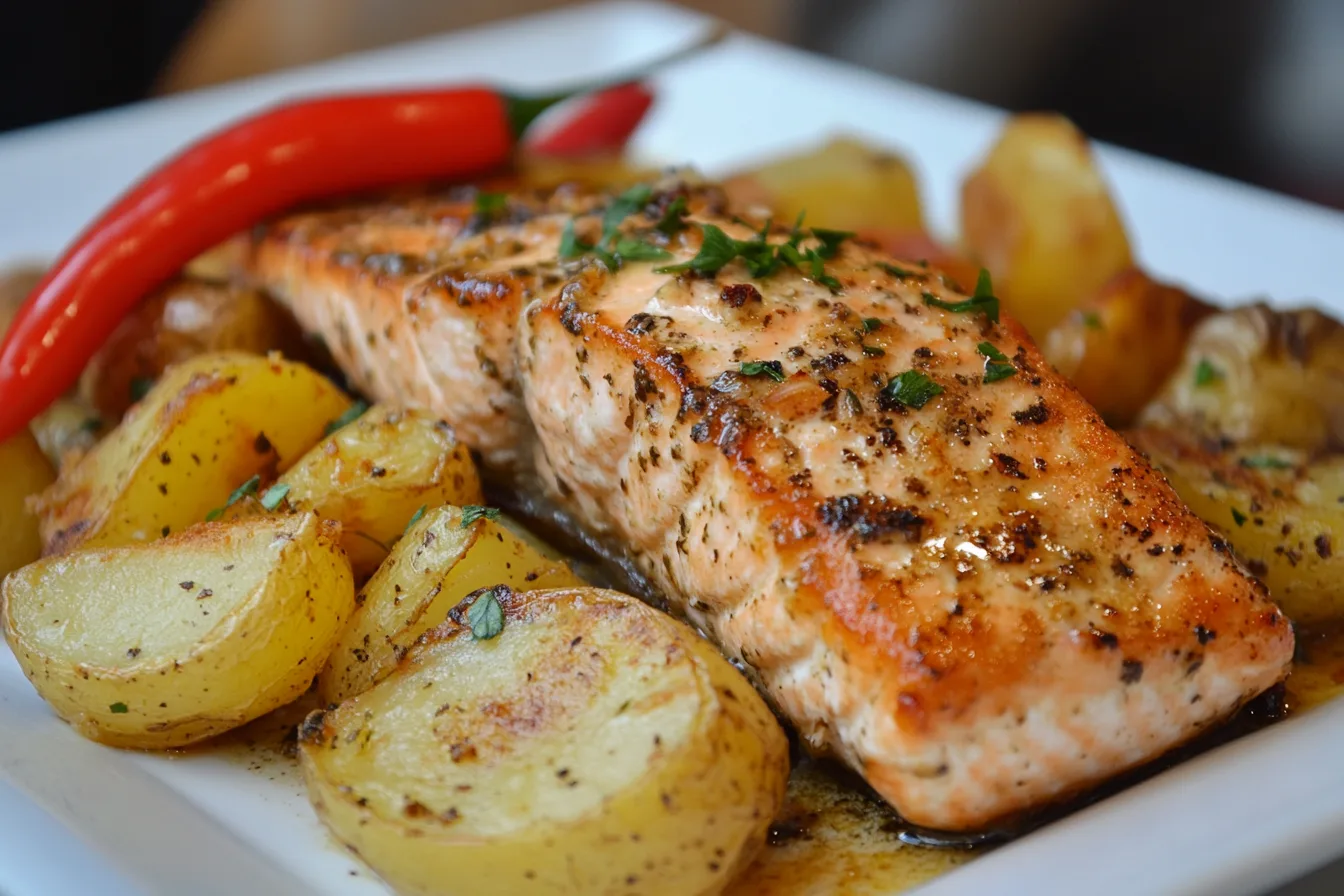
162,645
206,426
844,184
373,474
1253,374
26,472
184,319
590,745
437,563
1280,512
1120,346
1038,214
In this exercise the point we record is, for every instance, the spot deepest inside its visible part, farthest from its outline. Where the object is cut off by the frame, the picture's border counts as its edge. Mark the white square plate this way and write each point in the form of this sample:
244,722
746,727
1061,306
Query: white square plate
79,818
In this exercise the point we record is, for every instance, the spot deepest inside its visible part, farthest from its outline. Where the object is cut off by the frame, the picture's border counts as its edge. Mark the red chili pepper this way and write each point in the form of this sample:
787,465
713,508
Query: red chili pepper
263,165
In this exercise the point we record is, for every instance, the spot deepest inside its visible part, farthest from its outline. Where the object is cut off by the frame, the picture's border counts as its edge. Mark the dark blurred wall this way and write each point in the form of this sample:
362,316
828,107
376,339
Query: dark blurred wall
64,57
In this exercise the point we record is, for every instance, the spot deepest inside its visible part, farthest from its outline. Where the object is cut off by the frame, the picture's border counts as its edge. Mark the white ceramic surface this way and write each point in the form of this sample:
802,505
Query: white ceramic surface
79,818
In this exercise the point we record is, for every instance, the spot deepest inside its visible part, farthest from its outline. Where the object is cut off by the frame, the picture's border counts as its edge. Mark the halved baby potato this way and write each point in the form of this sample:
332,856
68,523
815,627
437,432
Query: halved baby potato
590,745
165,644
208,425
373,474
1039,215
441,559
26,472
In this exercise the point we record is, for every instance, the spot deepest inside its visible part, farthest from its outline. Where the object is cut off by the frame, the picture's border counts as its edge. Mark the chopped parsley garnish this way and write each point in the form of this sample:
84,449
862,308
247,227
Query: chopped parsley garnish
1265,462
852,403
625,205
415,518
631,249
899,273
271,498
912,389
819,274
873,351
247,488
491,205
1092,320
982,300
673,220
871,324
716,250
485,616
119,708
355,411
572,247
1238,517
996,363
1206,374
772,369
830,240
473,512
140,386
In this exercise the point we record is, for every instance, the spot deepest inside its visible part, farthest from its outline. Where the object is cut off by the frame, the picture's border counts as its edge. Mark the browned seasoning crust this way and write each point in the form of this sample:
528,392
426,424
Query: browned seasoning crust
962,599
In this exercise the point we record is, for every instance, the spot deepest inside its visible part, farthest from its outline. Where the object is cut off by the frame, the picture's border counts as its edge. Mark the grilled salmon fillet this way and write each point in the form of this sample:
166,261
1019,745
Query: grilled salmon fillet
923,545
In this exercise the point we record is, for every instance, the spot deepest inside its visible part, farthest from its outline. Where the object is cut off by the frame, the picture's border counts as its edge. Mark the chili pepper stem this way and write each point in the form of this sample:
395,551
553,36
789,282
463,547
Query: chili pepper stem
524,109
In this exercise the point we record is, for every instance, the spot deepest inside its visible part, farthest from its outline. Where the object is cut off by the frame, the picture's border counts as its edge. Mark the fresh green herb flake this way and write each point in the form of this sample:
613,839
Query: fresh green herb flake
415,518
1206,374
485,616
872,324
625,205
1265,462
989,351
912,389
830,240
772,369
1092,320
354,412
716,250
491,205
995,371
572,247
874,351
247,488
473,512
673,220
1238,517
852,403
631,249
119,708
897,271
272,497
986,304
91,425
140,386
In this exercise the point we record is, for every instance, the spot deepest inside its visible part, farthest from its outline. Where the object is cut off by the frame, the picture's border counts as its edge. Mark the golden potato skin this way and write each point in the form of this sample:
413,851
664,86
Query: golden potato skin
1038,214
374,473
594,746
26,472
438,562
165,644
179,321
207,426
844,185
1121,345
1253,374
1280,512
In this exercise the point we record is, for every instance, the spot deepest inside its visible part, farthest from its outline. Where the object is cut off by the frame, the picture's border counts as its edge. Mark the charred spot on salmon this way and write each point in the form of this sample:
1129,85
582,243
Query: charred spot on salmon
739,294
829,363
1036,414
1106,640
1131,671
571,318
871,517
640,323
1009,466
1121,568
1204,635
645,387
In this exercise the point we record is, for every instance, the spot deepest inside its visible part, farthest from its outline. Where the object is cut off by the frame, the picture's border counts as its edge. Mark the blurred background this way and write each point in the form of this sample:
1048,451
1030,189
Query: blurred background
1245,88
